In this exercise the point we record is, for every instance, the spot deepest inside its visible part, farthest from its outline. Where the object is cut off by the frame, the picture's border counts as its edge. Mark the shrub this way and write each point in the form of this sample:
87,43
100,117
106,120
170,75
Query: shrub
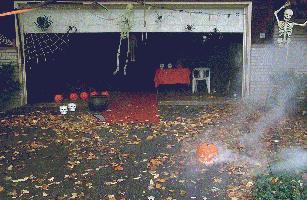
281,187
7,83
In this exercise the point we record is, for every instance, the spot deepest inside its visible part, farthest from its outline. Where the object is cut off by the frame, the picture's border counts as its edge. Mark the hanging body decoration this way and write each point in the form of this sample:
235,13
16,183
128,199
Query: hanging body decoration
145,22
125,24
285,27
132,45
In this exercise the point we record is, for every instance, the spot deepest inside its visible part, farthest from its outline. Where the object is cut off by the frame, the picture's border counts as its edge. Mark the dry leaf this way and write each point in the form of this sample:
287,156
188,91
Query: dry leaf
118,168
10,168
158,185
149,138
74,195
2,189
111,197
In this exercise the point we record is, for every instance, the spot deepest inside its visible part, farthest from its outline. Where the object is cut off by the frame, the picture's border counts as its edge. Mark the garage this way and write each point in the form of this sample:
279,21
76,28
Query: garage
192,34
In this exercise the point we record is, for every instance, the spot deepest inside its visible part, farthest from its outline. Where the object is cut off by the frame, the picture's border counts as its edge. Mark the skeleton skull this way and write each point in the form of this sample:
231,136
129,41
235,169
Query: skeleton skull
288,14
72,107
63,110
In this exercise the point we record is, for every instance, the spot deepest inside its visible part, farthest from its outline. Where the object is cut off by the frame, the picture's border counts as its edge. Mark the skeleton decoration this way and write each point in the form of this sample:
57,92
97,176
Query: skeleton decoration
285,27
72,107
133,44
125,24
63,110
4,40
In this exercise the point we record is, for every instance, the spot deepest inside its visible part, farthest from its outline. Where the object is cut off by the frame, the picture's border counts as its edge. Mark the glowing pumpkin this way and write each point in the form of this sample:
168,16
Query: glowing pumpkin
105,93
206,153
73,96
58,98
84,96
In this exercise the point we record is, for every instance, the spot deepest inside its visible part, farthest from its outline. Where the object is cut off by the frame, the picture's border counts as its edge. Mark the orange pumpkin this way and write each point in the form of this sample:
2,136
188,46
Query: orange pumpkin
84,96
206,152
105,93
73,96
58,98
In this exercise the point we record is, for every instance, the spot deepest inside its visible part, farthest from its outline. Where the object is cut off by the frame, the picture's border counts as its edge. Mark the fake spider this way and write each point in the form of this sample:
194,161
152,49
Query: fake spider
159,18
43,22
189,27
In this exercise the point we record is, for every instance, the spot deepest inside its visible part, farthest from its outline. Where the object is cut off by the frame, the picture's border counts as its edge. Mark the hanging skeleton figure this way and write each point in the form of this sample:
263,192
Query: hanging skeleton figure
285,27
125,24
133,43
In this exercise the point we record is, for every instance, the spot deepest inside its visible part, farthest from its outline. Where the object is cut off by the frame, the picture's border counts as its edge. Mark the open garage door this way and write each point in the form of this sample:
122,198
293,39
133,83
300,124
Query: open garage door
160,17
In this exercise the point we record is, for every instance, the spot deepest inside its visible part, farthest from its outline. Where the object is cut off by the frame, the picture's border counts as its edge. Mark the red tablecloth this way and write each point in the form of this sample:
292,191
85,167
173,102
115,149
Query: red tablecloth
172,76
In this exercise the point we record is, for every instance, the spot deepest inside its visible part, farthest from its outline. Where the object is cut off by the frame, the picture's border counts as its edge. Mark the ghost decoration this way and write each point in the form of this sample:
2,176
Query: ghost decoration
72,107
285,26
63,110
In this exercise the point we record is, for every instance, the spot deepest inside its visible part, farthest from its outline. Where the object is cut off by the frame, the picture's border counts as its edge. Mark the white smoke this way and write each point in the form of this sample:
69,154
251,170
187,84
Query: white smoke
291,160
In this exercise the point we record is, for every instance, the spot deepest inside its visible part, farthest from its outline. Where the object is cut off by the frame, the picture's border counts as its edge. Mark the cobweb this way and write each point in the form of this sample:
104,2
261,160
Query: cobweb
40,45
5,41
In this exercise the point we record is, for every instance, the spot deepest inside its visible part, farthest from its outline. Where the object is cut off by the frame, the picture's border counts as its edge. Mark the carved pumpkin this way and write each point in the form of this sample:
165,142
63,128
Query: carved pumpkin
84,96
73,96
58,98
93,93
105,93
206,153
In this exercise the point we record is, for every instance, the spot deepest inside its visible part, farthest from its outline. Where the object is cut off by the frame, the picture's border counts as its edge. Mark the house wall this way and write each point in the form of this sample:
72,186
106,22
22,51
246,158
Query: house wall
268,58
8,55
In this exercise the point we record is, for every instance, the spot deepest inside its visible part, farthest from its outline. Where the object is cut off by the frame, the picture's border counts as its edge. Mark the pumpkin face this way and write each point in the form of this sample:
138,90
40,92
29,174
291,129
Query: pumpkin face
206,153
84,96
58,98
73,96
94,93
105,93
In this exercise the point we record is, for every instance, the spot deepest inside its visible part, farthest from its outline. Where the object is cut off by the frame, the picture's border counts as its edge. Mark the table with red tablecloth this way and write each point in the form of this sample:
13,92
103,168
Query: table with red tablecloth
172,76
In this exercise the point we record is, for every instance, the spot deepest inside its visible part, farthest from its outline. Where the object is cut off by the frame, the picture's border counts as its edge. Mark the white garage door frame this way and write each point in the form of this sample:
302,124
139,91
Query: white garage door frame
234,23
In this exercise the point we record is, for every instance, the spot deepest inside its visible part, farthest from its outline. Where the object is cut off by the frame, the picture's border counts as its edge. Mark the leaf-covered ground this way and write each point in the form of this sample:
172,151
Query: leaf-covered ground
45,155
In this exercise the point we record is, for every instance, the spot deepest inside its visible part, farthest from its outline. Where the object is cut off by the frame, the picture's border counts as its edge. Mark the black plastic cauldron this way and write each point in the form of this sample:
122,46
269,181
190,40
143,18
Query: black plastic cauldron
98,103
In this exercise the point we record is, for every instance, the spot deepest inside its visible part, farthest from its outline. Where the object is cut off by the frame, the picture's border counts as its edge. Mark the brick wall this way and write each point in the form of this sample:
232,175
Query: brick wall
268,58
8,55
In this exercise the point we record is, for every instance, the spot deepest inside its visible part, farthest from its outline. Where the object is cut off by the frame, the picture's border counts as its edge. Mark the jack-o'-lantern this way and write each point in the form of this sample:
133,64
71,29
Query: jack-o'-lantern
73,96
105,93
58,98
94,93
206,152
84,96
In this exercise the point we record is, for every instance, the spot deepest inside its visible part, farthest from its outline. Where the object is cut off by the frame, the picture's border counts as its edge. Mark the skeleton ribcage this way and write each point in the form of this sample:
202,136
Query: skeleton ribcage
285,29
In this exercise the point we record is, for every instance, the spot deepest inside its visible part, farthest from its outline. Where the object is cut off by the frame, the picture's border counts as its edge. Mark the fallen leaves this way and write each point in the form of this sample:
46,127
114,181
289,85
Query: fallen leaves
95,149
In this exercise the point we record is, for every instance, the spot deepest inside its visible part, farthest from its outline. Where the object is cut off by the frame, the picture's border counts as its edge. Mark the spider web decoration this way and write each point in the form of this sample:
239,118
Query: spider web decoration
40,45
5,41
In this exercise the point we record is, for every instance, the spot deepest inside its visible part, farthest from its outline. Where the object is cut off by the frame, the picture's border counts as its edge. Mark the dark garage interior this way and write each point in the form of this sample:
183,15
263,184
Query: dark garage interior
88,61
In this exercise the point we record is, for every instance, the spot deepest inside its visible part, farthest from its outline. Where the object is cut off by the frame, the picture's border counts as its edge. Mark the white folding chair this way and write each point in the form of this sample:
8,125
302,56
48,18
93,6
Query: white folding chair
200,74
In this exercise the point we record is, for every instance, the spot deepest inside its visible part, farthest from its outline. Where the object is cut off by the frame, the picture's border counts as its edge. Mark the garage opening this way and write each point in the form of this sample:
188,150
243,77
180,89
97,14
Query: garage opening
89,60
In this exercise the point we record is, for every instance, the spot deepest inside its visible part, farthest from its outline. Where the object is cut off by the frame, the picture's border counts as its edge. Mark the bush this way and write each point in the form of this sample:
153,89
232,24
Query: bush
7,84
279,187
